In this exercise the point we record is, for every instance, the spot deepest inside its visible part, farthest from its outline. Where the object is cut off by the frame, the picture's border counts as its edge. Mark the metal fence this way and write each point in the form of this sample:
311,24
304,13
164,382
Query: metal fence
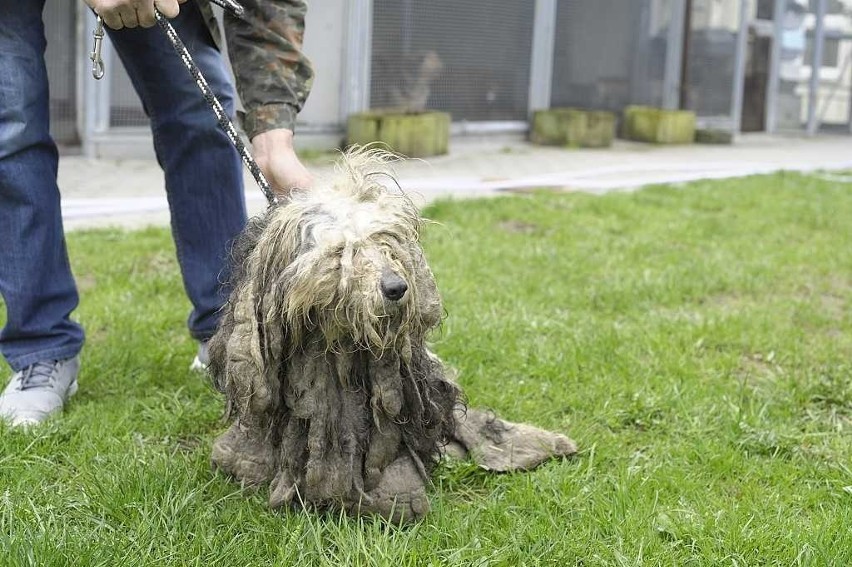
471,59
61,59
827,64
814,84
125,109
610,53
836,110
709,73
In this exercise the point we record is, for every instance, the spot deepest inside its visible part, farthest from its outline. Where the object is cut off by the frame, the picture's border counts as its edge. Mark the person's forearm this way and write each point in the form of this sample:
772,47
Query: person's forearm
276,157
273,76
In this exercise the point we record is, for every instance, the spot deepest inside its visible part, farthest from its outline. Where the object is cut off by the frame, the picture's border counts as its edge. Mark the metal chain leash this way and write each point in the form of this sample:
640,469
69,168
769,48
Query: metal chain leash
212,101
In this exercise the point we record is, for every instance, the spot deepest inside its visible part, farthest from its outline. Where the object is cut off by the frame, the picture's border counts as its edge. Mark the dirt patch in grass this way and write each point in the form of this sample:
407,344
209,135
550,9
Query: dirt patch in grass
725,302
86,282
158,263
759,366
833,306
519,227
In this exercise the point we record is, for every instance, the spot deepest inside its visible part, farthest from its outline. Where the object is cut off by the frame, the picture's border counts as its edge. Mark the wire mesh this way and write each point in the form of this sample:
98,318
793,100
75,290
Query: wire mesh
471,59
711,57
610,53
125,108
60,58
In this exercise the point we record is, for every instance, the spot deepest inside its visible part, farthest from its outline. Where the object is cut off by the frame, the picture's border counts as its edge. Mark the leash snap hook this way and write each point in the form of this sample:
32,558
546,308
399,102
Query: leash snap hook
95,56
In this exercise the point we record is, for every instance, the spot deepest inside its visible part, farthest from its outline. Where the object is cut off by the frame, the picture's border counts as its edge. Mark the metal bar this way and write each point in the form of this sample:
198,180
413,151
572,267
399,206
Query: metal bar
355,86
684,66
842,80
640,15
816,65
96,94
103,94
849,123
81,76
774,81
541,64
740,69
674,56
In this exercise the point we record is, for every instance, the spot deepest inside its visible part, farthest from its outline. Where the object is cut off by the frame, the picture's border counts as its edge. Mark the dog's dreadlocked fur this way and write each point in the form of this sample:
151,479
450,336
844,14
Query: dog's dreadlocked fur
314,353
321,355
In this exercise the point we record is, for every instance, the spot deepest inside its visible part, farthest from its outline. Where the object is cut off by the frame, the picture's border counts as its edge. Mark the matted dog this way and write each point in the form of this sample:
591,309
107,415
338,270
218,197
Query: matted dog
321,354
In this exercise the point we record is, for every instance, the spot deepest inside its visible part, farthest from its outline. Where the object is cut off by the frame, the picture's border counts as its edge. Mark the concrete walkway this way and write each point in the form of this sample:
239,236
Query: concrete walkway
129,193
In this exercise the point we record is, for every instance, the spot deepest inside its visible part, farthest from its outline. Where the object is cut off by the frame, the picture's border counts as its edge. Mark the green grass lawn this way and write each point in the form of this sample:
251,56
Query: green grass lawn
696,342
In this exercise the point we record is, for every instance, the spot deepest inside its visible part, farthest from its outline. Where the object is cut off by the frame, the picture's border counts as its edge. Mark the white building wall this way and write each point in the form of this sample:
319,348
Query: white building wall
719,14
325,30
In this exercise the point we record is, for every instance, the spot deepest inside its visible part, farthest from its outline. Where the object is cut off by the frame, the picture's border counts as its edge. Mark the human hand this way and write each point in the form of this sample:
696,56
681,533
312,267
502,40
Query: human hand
119,14
274,153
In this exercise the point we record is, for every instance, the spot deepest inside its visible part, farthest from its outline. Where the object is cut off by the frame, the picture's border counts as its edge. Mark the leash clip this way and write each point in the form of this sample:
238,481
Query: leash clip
95,56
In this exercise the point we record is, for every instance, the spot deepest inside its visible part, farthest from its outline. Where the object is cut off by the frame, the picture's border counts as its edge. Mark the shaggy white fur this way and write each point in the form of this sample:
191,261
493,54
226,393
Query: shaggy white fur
326,251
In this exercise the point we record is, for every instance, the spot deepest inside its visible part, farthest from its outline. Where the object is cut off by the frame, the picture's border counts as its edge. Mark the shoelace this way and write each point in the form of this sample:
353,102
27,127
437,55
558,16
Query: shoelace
38,375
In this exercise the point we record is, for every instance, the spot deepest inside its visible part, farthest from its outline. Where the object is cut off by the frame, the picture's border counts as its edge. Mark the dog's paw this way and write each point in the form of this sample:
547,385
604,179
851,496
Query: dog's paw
500,446
245,457
399,497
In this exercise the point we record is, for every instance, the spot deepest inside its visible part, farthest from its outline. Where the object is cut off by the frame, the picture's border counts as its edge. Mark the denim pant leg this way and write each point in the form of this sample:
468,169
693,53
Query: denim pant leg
35,278
203,171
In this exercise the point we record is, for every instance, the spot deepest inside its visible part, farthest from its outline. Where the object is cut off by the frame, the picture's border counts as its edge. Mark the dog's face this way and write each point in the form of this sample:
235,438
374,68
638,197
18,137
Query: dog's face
354,272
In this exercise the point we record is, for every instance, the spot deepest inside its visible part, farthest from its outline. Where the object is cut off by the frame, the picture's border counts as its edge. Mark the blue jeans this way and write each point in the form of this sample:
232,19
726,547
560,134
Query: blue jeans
202,170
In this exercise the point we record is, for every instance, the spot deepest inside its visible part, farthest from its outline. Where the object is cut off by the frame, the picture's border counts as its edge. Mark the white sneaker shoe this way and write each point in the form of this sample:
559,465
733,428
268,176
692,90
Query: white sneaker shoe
202,359
38,391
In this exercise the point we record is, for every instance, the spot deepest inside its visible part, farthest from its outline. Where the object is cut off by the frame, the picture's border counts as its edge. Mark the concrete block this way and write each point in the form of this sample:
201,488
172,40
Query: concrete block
572,128
658,126
713,136
416,134
600,129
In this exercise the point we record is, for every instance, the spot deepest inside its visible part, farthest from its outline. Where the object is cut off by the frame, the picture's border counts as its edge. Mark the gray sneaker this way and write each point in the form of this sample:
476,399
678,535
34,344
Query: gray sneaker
38,391
202,359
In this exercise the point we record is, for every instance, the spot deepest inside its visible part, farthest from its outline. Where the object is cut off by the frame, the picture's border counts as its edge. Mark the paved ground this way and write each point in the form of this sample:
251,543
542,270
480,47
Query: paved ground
129,193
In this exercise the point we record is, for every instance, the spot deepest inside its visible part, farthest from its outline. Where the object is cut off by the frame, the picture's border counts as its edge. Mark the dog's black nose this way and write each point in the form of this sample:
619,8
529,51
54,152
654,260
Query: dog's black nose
393,287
